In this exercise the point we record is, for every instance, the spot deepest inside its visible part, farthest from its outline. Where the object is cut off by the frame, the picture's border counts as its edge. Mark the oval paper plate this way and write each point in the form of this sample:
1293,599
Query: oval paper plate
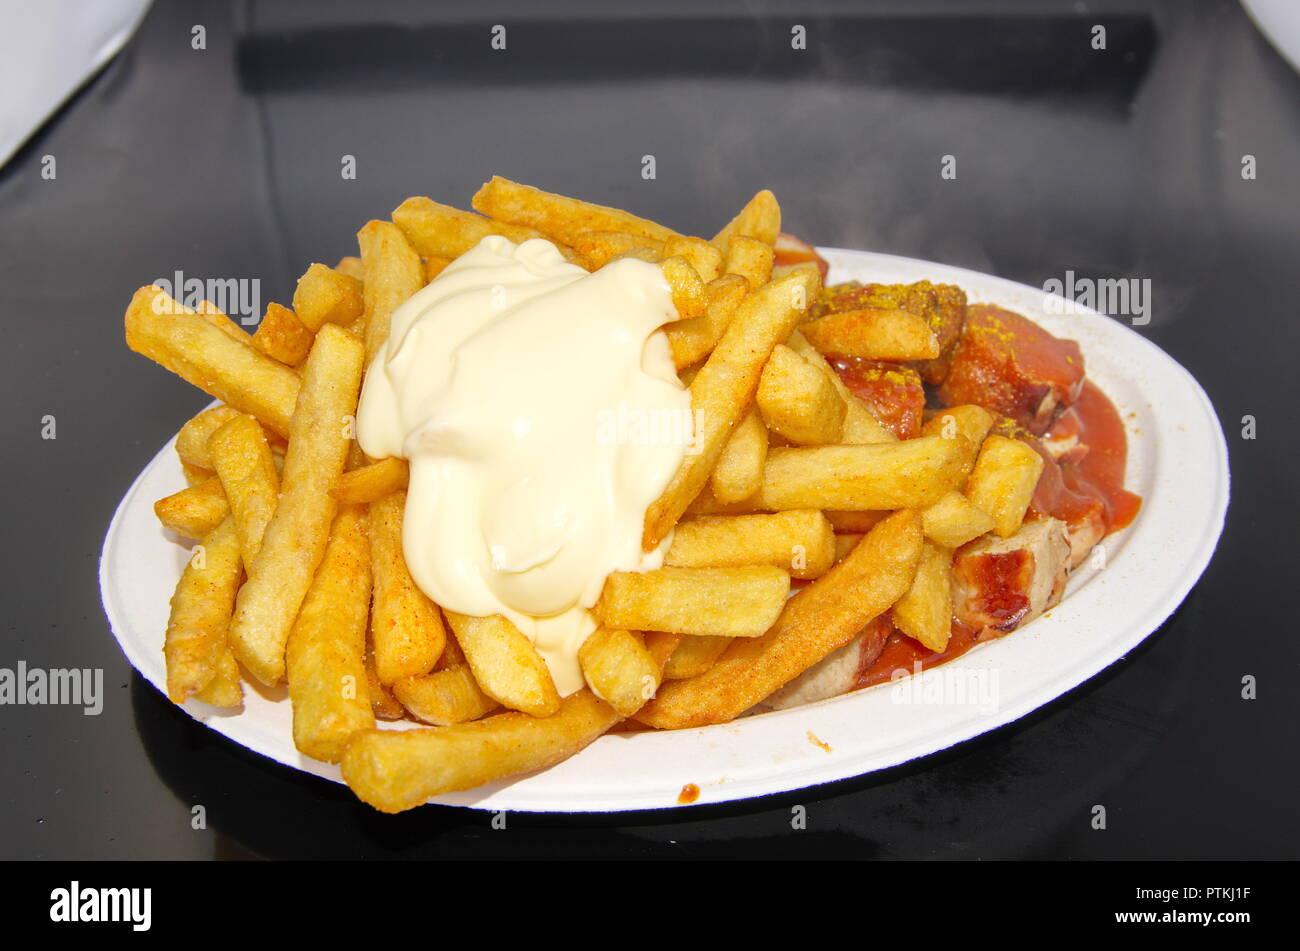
1178,463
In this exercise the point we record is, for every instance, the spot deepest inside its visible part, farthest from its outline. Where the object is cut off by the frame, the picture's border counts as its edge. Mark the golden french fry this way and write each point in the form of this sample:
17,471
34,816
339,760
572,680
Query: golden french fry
729,602
505,664
692,340
704,257
248,477
394,272
751,258
394,770
598,248
192,439
694,655
661,645
800,542
738,473
295,538
382,702
325,655
689,296
911,473
972,422
234,372
195,645
1003,481
855,522
433,266
760,218
282,336
216,318
822,617
860,426
444,697
619,669
195,475
372,482
955,520
441,231
556,215
724,388
797,401
406,630
326,296
924,613
873,335
845,544
351,266
225,688
196,511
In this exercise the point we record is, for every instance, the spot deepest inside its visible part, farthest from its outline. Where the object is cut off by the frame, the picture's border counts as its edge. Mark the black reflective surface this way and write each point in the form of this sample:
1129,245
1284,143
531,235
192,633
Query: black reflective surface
226,162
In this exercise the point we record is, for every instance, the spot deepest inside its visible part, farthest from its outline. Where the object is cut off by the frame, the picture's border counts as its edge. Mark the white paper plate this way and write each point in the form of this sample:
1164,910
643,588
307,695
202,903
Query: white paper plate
1177,462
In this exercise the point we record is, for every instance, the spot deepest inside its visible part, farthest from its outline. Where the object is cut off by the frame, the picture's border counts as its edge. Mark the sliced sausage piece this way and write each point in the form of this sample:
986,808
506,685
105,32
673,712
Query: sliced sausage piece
1007,363
999,584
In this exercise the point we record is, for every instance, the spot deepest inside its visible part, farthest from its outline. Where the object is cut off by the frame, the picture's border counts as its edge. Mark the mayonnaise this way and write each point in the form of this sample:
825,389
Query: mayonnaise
541,413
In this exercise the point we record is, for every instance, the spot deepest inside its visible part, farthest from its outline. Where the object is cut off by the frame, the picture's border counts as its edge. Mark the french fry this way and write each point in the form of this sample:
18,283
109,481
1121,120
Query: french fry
247,472
955,520
505,664
556,215
444,697
351,266
873,335
192,439
692,340
433,266
406,631
195,646
1003,481
282,336
234,372
855,522
598,248
619,669
800,542
687,289
196,511
661,645
846,543
694,655
751,258
372,482
441,232
295,538
912,473
924,613
728,602
822,617
225,688
326,296
972,422
394,272
395,770
760,218
382,702
724,388
216,318
325,655
700,254
860,426
797,401
195,475
738,473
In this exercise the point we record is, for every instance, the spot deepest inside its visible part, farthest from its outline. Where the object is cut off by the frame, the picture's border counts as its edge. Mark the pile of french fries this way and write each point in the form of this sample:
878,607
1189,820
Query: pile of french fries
298,575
